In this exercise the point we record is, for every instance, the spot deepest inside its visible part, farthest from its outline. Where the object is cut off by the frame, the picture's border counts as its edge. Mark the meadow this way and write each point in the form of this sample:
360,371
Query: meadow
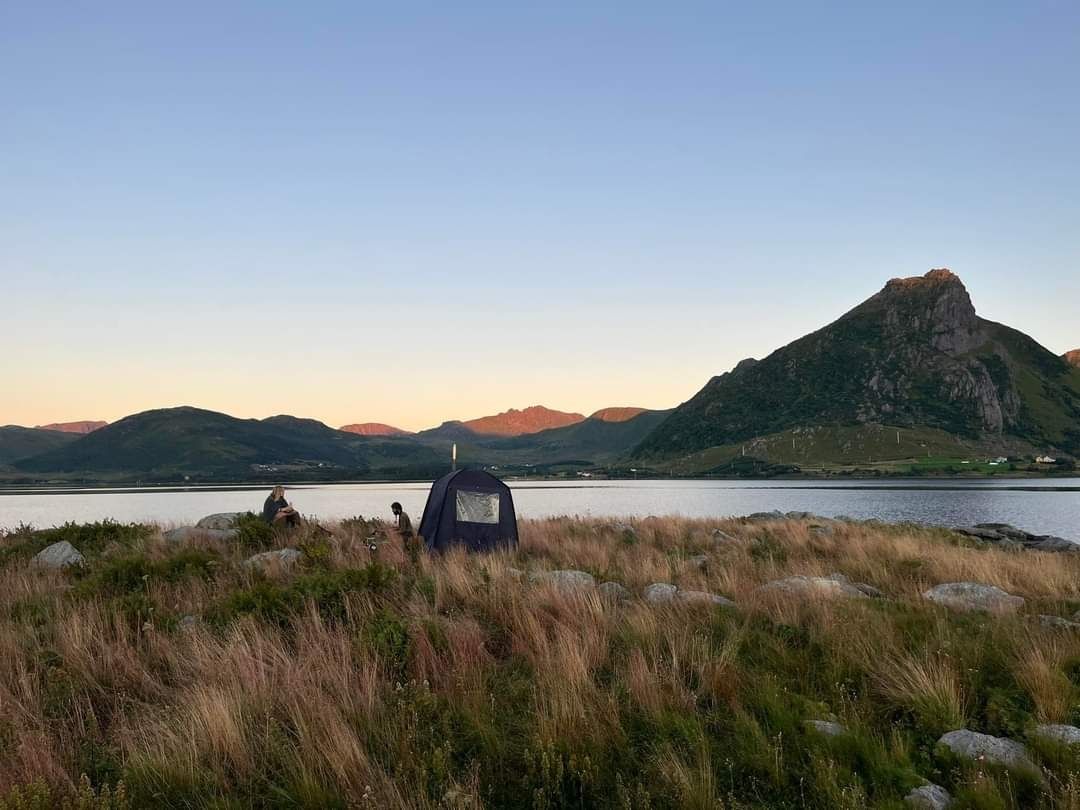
172,675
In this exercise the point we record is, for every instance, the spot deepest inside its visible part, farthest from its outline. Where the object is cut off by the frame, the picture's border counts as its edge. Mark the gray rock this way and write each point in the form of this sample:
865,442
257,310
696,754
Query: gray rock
283,557
813,586
974,596
830,728
703,597
1047,542
58,555
995,750
564,580
765,517
615,591
660,592
1066,735
185,533
867,590
188,622
801,516
699,561
719,536
1058,623
991,535
1004,529
929,797
220,521
819,529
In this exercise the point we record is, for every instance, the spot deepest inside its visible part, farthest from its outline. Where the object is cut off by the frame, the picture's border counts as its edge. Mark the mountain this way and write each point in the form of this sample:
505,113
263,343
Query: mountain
374,429
593,440
17,443
80,428
916,355
516,423
617,414
1072,358
173,443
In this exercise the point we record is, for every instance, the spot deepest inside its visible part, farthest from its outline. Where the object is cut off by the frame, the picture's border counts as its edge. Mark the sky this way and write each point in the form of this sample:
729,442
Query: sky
412,212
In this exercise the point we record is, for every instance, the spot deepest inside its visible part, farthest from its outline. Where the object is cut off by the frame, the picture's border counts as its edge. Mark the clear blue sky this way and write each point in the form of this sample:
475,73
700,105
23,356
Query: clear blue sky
410,212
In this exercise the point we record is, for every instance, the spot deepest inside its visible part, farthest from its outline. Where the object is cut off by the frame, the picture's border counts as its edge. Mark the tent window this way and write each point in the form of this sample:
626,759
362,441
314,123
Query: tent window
477,507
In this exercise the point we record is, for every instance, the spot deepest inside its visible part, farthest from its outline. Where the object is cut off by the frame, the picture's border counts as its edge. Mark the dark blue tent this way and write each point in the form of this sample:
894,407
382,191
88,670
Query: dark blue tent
470,508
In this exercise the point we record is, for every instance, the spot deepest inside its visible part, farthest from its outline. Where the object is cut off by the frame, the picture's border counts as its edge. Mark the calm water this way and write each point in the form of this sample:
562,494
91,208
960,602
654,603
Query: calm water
1041,505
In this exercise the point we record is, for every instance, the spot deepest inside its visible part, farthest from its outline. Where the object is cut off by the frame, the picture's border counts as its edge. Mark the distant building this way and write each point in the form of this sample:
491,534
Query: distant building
1045,460
1000,460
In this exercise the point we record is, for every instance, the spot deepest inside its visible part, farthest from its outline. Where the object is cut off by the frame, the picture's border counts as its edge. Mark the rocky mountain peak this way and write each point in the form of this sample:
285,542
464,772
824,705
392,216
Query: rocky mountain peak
935,307
1072,358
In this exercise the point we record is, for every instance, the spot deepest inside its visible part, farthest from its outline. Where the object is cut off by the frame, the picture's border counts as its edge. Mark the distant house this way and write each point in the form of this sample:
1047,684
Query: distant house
1000,460
1045,460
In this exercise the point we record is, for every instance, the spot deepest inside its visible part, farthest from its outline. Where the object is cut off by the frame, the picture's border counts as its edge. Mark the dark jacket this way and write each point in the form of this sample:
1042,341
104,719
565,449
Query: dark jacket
271,507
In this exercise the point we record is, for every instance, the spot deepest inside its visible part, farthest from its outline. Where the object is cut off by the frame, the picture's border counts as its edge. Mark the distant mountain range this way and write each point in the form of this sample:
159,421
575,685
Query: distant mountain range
374,429
915,357
74,427
186,443
912,372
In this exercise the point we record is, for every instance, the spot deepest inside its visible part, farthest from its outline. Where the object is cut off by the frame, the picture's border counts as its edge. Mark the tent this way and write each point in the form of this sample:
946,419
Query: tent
470,508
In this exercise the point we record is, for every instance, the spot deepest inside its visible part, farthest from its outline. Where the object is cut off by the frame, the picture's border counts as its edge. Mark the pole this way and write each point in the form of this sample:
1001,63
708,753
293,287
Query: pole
453,458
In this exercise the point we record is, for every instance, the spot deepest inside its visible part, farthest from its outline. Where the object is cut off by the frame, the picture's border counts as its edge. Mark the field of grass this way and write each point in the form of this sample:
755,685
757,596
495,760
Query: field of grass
173,676
863,447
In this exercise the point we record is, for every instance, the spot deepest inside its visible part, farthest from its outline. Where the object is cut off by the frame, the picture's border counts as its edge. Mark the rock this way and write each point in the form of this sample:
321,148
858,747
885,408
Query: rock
220,521
660,592
801,516
974,596
699,561
722,537
1047,542
867,590
765,517
188,622
994,750
564,580
703,597
1006,536
58,555
283,557
817,528
185,533
929,797
1066,735
1058,623
615,591
1076,616
813,586
830,728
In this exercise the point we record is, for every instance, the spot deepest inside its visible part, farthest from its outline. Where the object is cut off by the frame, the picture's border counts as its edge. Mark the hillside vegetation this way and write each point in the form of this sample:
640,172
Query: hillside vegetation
174,676
914,356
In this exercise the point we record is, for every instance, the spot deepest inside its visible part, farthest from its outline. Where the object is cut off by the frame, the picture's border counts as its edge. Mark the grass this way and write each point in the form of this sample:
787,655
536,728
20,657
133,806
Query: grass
359,680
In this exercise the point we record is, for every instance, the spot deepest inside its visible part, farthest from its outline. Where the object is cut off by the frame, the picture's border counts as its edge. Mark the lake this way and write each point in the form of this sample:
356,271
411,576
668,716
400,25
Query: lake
1043,506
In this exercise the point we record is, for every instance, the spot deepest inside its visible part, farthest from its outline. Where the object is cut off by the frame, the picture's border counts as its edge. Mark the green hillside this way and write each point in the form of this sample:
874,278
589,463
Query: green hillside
17,443
176,442
915,356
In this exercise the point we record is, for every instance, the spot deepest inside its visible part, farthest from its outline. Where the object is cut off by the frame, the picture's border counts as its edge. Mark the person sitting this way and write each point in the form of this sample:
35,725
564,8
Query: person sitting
402,523
277,510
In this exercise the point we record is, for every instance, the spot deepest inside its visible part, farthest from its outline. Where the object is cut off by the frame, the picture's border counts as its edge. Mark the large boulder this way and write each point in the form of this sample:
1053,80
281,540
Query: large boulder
185,533
1066,735
825,587
221,521
974,596
58,555
1004,535
564,580
765,517
660,592
282,558
986,748
929,797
